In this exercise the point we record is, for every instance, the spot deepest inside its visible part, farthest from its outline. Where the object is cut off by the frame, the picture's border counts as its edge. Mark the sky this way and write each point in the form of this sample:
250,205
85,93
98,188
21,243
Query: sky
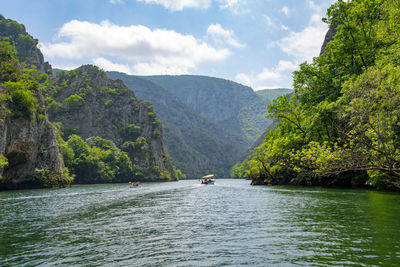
258,43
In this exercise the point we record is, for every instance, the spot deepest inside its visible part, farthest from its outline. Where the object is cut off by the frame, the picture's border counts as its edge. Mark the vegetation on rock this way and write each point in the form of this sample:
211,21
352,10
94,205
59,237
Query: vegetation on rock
29,155
341,125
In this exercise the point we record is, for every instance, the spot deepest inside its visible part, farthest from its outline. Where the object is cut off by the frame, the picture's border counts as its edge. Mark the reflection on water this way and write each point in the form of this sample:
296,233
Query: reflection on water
187,224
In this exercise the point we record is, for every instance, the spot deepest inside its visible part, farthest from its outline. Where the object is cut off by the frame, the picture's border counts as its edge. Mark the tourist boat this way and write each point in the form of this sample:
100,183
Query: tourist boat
133,184
208,179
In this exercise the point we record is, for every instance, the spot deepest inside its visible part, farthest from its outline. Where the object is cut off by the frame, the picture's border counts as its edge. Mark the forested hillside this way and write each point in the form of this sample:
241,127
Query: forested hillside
269,95
195,144
234,107
342,124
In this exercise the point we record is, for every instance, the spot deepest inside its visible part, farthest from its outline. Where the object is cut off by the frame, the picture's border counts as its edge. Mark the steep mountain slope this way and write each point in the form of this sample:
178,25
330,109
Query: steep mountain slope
89,103
270,94
196,145
235,107
25,45
30,155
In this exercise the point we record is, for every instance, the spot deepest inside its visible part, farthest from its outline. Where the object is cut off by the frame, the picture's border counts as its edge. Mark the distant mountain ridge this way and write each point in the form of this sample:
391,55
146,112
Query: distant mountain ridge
270,94
233,106
195,144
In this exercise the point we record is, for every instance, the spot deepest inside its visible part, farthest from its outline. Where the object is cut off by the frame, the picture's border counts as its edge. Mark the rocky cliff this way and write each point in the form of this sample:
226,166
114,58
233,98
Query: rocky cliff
88,103
32,152
30,155
328,37
26,46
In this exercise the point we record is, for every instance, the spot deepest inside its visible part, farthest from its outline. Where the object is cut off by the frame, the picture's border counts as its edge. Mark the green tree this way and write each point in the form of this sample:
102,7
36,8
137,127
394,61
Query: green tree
74,102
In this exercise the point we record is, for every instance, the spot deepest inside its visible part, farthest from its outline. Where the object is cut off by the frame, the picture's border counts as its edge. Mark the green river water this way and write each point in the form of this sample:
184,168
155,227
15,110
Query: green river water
187,224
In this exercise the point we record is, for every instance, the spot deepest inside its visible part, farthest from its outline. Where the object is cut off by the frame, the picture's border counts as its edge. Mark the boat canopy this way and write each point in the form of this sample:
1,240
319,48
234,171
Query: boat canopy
208,176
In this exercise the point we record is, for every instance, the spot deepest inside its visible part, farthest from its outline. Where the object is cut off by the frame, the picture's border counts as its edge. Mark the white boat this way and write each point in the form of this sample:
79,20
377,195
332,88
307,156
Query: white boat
133,184
208,179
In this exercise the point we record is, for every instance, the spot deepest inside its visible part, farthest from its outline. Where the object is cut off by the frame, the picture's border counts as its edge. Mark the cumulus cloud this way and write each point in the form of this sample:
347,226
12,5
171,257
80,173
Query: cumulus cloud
178,5
275,77
305,44
223,36
141,46
107,65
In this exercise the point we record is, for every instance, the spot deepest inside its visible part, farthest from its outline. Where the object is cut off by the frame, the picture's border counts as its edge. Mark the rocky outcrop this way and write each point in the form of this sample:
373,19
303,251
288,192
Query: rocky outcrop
90,104
27,141
28,52
328,37
32,151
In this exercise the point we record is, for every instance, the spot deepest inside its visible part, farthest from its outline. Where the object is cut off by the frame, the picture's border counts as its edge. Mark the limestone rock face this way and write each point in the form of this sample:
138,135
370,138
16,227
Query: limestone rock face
33,154
328,37
108,108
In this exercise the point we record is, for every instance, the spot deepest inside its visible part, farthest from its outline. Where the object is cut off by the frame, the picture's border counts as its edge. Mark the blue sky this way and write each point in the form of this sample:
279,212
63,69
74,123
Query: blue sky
258,43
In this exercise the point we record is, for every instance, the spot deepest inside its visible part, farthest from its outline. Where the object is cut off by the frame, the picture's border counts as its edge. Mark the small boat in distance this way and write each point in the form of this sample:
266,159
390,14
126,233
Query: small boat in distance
133,184
208,179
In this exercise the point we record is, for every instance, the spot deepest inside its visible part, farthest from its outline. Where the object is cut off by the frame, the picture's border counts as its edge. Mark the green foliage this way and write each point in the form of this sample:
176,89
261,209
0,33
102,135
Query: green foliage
22,103
54,106
152,115
344,114
165,175
130,131
179,174
96,161
48,178
78,146
157,134
65,130
74,102
20,86
9,65
240,170
136,147
3,161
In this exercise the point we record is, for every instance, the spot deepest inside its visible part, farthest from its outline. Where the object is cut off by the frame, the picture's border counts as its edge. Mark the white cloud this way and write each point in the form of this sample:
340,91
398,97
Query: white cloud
269,21
313,6
158,69
285,10
222,36
116,1
178,5
236,6
110,66
284,65
275,77
268,75
142,47
305,44
284,27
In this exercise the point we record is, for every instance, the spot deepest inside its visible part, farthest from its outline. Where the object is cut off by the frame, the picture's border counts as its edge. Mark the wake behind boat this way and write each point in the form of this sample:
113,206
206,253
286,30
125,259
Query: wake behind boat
208,179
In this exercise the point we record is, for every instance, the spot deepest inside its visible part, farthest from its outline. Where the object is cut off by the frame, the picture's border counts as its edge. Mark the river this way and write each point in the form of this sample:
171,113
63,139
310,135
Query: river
187,224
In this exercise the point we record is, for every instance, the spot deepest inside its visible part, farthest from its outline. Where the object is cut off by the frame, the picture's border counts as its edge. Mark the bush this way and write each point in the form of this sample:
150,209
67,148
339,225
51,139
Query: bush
130,131
54,107
23,103
74,102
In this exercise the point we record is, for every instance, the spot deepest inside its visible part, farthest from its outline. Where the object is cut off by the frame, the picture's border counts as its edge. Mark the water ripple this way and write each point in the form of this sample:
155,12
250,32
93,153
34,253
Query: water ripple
187,224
